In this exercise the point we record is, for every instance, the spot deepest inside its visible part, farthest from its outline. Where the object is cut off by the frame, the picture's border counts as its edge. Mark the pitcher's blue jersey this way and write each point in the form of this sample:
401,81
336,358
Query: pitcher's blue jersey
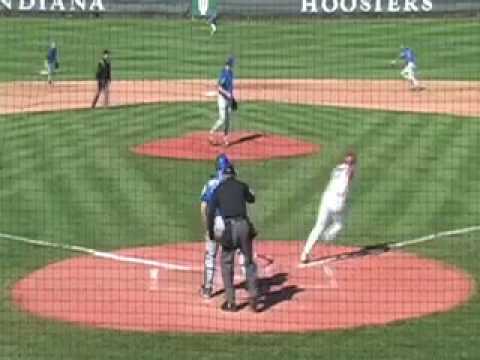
225,80
408,55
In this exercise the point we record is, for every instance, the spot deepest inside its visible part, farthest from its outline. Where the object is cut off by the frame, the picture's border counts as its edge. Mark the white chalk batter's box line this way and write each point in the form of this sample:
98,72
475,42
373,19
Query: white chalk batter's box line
178,267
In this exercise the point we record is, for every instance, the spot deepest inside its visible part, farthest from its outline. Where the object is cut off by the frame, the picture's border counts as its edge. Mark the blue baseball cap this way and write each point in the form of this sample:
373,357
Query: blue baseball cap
230,61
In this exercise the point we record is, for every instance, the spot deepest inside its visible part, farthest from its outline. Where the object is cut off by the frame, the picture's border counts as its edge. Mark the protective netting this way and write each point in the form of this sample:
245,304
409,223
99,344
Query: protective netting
122,123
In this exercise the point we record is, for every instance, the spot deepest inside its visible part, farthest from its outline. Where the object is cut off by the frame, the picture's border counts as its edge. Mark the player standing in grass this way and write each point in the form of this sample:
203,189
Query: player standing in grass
409,71
104,78
332,208
212,22
52,62
226,101
211,245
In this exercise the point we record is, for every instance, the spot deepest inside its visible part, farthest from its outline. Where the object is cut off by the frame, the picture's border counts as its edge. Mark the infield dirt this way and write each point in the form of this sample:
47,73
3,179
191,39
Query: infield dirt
460,98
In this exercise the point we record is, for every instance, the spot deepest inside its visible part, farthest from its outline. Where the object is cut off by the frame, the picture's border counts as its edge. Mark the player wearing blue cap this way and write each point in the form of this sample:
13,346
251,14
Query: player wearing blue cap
226,101
211,247
409,71
52,62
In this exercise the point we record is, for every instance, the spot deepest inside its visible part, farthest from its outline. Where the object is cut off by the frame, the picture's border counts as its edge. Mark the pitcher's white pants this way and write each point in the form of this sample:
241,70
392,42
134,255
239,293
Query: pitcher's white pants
224,112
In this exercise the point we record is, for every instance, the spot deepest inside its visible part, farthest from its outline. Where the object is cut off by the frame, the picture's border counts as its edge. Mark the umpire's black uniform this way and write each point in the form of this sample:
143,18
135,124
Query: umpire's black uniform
230,199
104,78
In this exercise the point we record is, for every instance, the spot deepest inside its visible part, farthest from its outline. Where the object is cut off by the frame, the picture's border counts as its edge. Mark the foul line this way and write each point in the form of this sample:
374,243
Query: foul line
385,247
367,250
98,253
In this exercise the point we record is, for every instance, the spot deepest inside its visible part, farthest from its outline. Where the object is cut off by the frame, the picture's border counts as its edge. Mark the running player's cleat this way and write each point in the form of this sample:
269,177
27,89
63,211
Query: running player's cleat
305,259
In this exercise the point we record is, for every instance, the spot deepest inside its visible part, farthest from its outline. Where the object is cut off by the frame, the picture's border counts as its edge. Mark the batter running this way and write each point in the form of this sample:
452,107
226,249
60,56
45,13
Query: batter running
226,101
332,208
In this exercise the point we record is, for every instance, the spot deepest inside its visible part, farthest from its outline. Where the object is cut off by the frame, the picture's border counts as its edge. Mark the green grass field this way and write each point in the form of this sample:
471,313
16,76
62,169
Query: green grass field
70,177
159,48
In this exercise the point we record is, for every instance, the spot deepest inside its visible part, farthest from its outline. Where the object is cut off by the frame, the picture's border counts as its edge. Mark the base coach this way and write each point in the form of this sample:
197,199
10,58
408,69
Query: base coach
230,200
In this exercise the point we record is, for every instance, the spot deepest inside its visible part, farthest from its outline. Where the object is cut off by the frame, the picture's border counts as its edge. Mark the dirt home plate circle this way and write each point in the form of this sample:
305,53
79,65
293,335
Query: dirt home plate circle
366,291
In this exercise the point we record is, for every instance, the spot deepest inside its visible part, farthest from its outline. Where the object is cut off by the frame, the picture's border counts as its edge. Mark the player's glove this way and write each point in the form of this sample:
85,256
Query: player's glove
234,104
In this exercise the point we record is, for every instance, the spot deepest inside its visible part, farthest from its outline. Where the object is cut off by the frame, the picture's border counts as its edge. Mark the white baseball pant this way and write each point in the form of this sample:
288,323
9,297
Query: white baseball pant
211,250
330,221
224,112
409,73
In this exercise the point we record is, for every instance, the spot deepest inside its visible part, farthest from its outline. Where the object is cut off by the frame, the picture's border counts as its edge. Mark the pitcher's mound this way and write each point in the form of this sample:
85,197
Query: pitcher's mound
242,145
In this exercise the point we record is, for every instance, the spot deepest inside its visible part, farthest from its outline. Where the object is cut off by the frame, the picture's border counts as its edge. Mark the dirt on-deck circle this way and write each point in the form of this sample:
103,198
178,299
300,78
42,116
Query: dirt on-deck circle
371,290
243,145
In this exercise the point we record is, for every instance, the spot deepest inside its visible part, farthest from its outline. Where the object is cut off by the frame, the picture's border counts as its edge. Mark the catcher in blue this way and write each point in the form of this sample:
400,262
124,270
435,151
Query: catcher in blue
211,247
409,72
226,101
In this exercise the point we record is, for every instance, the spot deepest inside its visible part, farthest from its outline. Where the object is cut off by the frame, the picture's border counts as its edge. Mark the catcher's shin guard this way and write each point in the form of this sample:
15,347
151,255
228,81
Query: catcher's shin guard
211,248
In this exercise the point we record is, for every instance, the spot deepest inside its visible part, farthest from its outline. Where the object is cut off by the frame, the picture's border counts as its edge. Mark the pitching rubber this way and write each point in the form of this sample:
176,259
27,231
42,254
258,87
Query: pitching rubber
210,94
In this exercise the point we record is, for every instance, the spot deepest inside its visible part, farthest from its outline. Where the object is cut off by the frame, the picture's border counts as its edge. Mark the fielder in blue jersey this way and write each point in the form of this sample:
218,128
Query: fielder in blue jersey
212,21
409,72
52,61
226,101
211,247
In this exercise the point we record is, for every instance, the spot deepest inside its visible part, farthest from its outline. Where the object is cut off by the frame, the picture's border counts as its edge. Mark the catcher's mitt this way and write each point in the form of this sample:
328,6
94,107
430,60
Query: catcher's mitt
234,104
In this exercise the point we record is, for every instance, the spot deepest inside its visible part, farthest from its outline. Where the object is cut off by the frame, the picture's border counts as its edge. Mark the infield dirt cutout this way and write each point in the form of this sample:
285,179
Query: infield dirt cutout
371,290
441,97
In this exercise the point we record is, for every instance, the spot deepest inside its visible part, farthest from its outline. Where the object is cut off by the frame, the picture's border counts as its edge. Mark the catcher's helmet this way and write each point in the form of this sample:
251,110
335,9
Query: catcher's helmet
222,162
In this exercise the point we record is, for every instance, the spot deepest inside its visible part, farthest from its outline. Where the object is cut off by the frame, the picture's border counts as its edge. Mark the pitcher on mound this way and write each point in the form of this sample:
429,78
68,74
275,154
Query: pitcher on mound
332,209
226,101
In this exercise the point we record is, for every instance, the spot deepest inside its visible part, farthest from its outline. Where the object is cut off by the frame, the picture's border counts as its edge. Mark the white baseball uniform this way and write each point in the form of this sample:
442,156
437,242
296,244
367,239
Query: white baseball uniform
331,211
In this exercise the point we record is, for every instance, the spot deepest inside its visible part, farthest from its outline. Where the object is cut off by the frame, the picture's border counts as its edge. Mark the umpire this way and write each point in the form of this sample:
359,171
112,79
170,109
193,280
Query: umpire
230,199
104,78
